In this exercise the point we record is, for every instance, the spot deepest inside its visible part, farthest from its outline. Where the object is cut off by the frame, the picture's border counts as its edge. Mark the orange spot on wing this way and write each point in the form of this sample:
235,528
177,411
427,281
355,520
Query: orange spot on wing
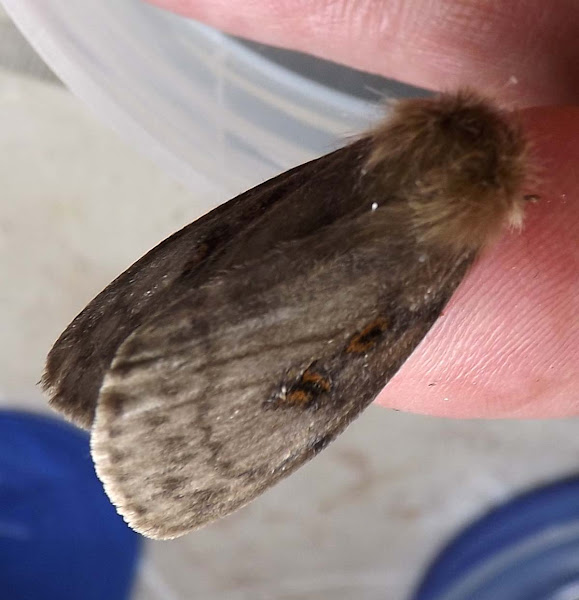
316,379
367,338
299,397
307,389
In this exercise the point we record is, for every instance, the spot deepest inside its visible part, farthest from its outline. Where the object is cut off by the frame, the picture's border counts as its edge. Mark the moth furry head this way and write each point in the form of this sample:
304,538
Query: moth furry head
462,167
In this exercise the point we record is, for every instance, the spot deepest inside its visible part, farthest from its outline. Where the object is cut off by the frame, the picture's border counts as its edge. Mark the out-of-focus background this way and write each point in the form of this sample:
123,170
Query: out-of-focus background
78,205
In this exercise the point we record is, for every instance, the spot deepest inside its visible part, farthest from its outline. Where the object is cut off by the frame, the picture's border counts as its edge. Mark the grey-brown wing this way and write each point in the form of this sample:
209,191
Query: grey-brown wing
243,379
233,233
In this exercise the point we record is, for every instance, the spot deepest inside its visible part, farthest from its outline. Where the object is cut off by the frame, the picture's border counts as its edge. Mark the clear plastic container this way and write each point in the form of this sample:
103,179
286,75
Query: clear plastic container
195,99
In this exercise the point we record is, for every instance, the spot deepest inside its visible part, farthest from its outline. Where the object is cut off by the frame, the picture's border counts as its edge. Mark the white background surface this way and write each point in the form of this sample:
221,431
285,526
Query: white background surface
360,521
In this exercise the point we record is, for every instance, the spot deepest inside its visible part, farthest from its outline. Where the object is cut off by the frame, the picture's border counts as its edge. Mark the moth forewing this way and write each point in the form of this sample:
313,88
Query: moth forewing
283,314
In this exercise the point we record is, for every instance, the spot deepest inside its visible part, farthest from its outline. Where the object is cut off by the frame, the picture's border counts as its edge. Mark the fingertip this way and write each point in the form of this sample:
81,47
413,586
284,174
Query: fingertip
508,343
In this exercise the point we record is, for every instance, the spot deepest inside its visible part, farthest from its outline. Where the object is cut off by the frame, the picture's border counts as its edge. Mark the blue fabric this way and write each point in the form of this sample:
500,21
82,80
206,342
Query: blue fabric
60,538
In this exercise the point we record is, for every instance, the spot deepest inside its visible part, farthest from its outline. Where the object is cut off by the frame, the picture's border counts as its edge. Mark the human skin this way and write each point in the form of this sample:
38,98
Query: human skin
508,343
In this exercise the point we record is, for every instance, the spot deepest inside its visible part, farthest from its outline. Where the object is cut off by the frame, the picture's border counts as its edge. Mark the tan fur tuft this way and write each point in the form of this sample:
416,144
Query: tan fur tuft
462,167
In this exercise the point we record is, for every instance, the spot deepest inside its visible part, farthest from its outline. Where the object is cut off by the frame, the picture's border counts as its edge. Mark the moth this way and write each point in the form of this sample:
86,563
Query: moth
239,347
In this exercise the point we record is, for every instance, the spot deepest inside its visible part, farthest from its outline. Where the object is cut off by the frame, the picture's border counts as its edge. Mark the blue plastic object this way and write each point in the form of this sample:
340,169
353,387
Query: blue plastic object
527,549
60,538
